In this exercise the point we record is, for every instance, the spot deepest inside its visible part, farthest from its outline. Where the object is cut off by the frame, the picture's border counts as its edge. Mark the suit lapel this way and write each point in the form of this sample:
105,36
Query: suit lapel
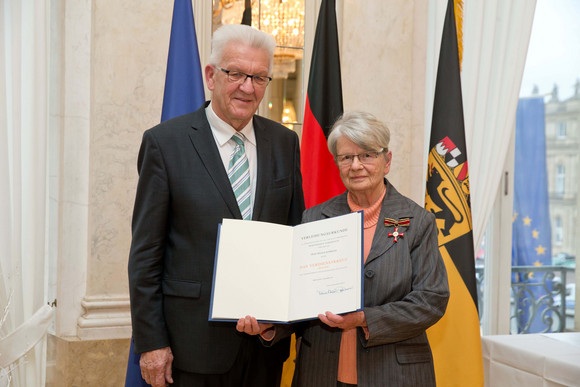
264,173
204,143
394,207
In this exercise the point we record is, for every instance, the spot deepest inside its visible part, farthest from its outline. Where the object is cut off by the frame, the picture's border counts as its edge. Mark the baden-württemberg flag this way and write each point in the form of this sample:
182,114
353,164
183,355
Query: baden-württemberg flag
531,240
455,340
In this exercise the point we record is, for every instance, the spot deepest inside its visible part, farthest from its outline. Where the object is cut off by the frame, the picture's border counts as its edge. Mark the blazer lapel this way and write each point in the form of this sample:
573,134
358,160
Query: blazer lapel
265,173
394,207
336,207
204,143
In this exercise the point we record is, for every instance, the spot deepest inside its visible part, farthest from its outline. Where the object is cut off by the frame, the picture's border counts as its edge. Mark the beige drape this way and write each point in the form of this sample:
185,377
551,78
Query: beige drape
496,34
24,42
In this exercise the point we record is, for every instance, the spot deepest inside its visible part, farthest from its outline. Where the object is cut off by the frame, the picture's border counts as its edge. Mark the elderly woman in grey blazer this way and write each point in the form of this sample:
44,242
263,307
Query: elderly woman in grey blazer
405,282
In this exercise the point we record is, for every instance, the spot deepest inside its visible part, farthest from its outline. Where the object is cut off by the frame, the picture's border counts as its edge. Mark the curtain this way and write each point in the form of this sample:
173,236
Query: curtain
24,40
496,34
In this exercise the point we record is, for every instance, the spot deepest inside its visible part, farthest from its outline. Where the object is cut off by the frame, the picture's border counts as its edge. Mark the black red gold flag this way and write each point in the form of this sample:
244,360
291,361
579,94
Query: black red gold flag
455,340
320,177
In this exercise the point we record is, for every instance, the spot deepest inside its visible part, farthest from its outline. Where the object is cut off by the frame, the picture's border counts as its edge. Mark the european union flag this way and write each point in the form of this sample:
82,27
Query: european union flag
183,94
183,81
531,244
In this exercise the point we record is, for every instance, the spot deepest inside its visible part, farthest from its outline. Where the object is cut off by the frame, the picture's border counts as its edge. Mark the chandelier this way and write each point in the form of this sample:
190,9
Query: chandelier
283,19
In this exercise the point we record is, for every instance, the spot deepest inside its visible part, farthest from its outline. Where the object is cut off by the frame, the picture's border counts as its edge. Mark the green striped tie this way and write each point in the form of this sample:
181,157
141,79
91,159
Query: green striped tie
239,175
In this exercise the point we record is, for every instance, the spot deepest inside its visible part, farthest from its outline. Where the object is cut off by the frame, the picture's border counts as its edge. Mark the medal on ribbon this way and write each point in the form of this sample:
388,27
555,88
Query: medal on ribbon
403,222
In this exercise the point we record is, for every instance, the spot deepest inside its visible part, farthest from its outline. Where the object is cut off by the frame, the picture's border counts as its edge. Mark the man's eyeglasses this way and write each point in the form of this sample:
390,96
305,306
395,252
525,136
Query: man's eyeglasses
239,77
368,157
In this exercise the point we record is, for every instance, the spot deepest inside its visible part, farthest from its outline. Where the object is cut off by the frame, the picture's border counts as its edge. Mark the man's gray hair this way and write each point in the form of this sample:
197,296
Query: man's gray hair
362,128
240,34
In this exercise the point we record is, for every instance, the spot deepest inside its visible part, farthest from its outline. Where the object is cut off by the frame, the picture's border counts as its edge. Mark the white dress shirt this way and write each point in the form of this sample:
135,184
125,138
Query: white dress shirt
222,134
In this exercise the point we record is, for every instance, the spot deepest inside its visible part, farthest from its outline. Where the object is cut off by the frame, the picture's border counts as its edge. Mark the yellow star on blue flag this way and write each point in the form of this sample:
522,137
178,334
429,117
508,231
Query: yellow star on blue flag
531,243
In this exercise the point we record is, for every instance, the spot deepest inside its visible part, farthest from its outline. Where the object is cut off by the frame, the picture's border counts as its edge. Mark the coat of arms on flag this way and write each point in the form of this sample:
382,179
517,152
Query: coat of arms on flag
449,198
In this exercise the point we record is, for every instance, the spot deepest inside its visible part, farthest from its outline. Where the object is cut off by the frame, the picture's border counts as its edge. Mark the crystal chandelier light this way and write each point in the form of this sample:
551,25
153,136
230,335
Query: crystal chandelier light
283,19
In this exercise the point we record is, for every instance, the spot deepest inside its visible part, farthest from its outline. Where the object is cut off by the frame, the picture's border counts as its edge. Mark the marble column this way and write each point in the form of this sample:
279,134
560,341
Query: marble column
383,48
109,60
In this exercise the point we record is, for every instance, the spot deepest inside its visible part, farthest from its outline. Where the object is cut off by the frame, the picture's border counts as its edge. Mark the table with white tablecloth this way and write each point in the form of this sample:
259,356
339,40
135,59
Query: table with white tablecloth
542,360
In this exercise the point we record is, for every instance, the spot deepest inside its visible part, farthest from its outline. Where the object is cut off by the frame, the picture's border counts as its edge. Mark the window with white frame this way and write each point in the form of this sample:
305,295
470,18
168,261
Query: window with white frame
561,130
540,77
560,179
558,231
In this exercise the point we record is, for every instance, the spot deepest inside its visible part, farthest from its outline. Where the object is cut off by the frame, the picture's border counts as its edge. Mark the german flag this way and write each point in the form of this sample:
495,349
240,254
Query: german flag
455,340
320,177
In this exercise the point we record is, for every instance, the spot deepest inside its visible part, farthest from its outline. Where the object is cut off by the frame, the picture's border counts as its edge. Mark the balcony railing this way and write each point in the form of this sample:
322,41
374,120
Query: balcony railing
538,298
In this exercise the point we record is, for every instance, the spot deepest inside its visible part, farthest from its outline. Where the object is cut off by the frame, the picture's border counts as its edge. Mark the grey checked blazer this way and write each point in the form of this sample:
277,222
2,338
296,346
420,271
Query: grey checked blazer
405,292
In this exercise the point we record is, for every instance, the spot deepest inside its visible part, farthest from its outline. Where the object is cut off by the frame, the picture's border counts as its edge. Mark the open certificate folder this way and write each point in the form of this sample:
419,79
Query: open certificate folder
282,273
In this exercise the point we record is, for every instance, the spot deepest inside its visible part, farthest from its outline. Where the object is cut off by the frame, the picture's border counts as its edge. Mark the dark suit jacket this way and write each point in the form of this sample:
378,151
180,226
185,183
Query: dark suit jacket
405,292
182,195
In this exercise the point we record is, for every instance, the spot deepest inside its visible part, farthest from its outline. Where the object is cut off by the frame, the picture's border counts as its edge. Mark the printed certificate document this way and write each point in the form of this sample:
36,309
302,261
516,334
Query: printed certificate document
282,273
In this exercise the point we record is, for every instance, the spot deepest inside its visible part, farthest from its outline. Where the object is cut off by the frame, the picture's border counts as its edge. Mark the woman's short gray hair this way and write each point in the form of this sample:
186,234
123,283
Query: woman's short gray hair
241,34
362,128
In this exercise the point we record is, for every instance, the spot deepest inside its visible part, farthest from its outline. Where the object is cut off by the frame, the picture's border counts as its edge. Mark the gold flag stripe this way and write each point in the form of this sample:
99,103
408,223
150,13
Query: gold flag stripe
453,338
458,5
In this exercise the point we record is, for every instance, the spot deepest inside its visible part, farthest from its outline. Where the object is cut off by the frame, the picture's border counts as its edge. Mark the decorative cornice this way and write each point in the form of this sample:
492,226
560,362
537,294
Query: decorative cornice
105,317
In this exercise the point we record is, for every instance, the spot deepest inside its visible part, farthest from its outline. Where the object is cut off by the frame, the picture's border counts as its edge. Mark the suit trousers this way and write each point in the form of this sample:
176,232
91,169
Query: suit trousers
254,367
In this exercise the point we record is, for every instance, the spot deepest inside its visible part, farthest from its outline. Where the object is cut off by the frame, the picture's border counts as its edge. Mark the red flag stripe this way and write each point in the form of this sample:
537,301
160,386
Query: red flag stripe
321,179
320,174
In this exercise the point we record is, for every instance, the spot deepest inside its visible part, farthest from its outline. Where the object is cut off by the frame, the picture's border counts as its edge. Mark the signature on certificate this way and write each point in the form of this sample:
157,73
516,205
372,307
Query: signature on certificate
338,289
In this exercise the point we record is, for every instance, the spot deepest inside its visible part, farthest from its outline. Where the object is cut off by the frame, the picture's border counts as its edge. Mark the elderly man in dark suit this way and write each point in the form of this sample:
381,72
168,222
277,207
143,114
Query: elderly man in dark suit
405,282
221,161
